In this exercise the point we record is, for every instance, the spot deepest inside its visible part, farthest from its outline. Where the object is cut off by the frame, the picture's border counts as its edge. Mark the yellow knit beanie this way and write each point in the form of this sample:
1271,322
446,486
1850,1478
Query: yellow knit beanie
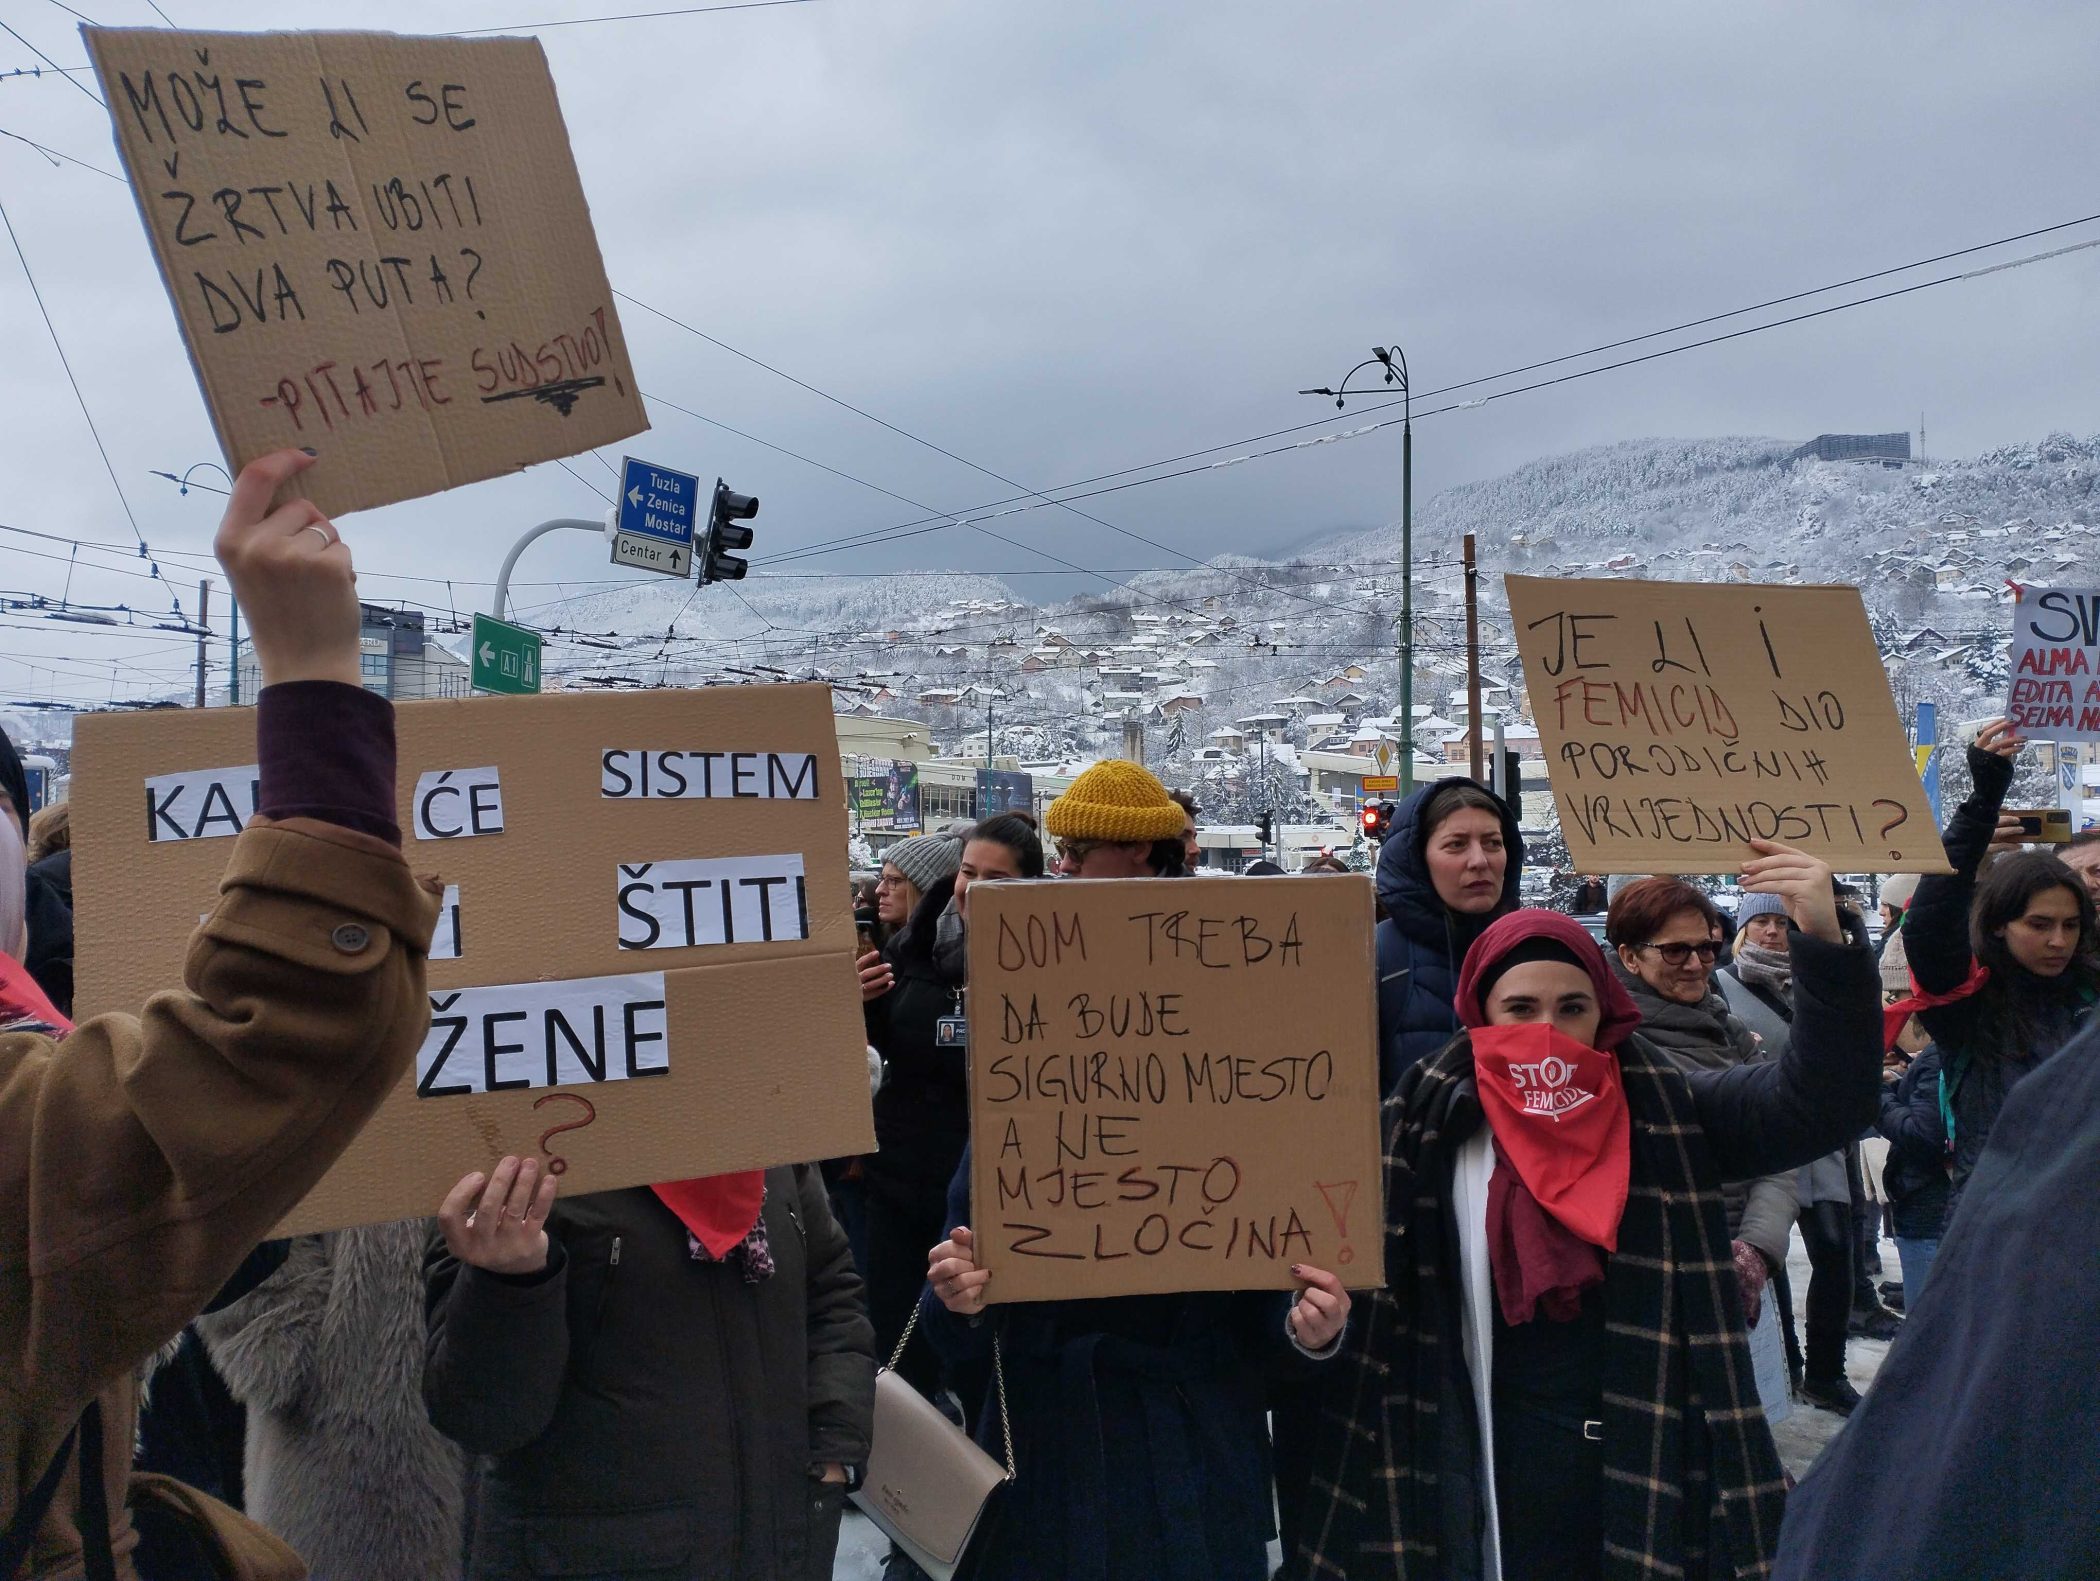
1115,800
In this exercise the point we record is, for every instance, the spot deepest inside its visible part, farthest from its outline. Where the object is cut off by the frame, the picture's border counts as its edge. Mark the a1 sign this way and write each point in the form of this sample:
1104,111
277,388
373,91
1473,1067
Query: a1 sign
506,658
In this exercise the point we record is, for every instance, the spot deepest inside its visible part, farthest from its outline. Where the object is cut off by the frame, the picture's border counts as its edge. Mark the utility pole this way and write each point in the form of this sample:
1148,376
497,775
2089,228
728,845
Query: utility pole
1407,595
1473,749
203,626
233,649
1394,361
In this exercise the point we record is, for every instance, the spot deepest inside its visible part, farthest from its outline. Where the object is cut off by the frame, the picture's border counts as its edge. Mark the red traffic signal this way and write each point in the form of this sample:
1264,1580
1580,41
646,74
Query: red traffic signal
1377,819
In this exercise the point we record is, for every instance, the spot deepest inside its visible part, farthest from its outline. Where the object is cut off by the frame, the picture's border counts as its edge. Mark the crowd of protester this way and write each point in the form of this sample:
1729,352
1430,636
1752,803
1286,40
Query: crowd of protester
1562,1376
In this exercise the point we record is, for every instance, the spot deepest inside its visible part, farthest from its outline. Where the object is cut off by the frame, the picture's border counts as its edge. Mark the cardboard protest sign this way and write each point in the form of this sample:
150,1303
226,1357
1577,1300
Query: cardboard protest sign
643,965
377,246
1173,1085
2056,665
1681,720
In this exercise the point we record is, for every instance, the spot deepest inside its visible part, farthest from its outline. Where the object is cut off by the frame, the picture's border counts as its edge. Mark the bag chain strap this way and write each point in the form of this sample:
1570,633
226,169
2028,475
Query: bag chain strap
1006,1426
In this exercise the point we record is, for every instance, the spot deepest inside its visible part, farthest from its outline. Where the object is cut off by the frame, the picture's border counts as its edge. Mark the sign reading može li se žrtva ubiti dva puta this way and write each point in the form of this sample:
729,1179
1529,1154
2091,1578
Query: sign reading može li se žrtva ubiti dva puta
377,247
642,968
1680,721
1173,1085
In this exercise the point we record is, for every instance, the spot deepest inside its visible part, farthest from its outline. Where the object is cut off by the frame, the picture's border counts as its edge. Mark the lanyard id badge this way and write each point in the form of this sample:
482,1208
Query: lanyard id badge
952,1031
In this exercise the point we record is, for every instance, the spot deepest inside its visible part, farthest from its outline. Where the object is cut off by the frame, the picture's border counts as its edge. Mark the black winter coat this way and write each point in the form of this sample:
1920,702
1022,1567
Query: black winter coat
1982,1070
922,1110
47,903
1139,1431
1915,1176
1421,943
652,1417
1973,1454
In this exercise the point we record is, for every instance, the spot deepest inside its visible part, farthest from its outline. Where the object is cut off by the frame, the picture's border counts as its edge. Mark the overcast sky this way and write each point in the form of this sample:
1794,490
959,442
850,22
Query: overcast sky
1065,238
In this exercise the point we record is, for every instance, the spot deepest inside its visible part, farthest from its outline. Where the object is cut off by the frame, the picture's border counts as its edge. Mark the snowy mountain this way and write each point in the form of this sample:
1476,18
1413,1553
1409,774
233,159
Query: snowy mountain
1198,656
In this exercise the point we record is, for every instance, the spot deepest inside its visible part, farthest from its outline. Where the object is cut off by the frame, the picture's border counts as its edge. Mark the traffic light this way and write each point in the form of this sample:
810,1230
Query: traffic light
1265,828
723,533
1377,820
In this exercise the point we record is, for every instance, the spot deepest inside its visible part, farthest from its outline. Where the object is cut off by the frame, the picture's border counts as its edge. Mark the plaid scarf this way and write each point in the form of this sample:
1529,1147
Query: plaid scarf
1692,1481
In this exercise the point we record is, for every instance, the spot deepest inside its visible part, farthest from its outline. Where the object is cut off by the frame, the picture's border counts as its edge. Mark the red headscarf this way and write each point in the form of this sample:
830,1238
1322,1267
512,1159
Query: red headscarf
1519,927
1562,1130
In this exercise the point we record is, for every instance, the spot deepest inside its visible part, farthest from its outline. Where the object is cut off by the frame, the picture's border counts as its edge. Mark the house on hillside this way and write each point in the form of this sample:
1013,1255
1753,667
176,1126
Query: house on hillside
1179,703
1229,738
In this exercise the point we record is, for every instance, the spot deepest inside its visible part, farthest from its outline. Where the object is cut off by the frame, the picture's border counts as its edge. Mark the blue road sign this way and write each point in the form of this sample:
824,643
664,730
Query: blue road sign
658,503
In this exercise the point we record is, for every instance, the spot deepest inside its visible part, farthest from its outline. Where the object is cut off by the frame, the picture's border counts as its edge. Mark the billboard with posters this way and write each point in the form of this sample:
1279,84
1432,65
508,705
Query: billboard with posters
1002,790
885,795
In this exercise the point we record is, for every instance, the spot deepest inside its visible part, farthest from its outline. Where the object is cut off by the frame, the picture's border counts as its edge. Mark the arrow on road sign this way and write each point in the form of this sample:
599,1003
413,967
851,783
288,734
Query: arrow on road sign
634,498
488,654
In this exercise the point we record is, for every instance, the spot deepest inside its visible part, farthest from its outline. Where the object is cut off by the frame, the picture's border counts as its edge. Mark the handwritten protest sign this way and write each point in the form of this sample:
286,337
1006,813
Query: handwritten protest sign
645,986
1680,721
2056,665
1173,1085
377,247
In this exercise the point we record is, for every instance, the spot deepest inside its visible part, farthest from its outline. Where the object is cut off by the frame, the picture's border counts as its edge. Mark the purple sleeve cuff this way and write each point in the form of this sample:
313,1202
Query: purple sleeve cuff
325,749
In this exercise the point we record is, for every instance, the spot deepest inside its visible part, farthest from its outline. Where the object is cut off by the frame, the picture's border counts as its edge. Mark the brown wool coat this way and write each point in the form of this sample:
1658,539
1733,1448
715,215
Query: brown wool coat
144,1156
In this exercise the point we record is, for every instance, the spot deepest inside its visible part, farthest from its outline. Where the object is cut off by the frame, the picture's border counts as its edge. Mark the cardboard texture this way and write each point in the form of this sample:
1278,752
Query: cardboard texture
1173,1085
1681,720
763,1040
2055,692
377,246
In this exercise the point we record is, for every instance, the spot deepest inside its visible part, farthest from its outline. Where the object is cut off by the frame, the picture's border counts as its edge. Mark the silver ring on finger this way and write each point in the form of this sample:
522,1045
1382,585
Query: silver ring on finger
327,537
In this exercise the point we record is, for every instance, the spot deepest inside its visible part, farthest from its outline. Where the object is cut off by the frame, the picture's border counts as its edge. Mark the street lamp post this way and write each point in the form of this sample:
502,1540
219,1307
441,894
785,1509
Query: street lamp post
1394,361
559,524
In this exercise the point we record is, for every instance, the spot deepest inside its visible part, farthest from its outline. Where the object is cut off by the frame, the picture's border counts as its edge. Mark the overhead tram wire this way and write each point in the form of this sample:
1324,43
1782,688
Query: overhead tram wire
464,32
63,71
863,482
66,363
1043,497
856,540
918,439
55,156
913,530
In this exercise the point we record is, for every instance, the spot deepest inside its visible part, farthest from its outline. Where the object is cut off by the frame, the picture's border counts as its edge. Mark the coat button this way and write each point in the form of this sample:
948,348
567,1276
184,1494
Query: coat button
350,938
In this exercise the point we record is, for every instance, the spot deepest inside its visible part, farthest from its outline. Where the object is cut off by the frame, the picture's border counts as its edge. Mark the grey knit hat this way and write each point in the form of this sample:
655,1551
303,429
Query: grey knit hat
925,859
1758,906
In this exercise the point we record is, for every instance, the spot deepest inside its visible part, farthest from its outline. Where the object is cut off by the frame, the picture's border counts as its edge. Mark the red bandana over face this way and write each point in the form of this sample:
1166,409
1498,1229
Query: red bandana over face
1559,1116
1561,1127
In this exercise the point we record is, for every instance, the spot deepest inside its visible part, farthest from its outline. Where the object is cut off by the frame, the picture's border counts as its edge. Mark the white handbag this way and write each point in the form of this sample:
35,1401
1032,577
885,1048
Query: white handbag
928,1485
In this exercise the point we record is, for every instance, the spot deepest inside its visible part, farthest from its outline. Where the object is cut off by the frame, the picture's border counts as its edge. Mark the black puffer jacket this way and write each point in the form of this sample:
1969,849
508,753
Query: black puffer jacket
922,1111
1421,943
1980,1069
1915,1176
653,1417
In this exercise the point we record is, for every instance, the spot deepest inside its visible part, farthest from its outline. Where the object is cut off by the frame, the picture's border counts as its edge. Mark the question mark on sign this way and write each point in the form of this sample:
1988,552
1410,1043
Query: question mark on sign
1902,817
556,1164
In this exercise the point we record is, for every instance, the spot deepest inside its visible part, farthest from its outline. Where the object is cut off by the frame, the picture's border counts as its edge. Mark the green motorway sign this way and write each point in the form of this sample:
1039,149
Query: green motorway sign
506,658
